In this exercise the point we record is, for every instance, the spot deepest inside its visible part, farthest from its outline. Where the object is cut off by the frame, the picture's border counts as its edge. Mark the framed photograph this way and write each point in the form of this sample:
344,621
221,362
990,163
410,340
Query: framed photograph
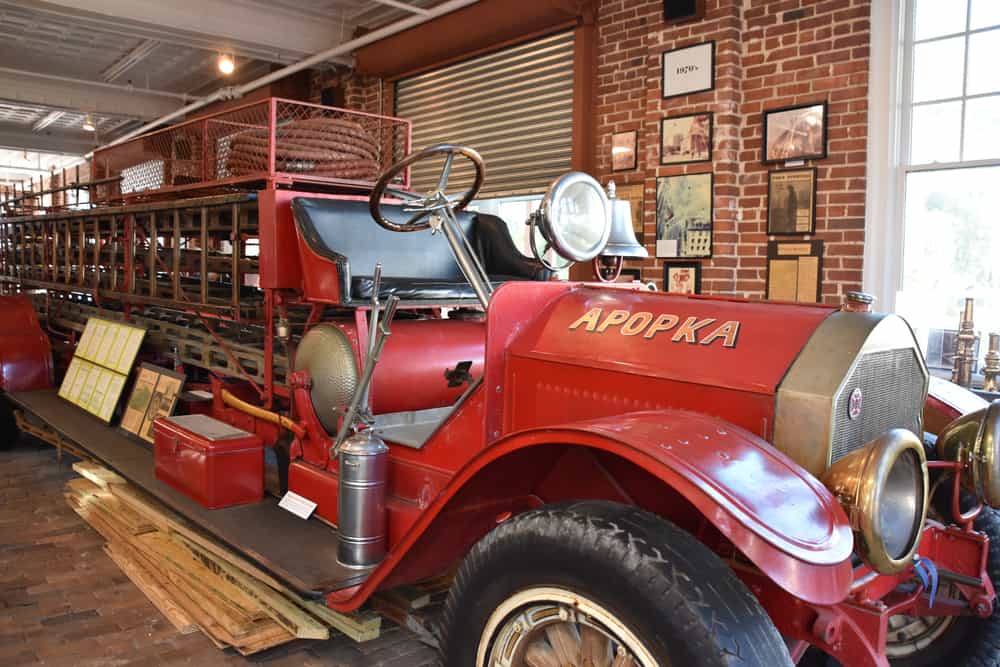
624,147
682,278
795,133
633,194
684,216
154,395
689,70
791,201
794,271
686,139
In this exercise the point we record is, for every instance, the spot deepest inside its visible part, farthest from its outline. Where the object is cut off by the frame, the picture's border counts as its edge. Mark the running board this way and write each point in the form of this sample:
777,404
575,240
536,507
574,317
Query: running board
302,555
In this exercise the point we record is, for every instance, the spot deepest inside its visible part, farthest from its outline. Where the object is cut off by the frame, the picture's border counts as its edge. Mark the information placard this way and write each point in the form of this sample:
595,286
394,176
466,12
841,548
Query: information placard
104,356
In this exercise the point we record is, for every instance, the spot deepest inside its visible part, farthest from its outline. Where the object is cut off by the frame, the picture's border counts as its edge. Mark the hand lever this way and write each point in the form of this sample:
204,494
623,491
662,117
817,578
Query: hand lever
361,392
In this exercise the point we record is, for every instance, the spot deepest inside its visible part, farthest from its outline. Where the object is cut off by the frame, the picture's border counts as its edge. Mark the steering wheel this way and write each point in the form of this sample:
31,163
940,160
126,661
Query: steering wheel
423,206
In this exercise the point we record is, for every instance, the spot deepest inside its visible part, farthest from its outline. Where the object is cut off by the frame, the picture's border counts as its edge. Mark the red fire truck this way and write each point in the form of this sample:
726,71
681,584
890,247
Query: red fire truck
619,476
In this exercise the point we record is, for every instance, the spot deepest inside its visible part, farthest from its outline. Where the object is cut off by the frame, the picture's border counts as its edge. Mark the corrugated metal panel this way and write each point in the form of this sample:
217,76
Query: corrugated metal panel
514,106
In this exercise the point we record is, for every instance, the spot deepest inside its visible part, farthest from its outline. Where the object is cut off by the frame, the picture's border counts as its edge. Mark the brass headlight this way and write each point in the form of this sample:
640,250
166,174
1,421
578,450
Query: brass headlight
883,488
972,440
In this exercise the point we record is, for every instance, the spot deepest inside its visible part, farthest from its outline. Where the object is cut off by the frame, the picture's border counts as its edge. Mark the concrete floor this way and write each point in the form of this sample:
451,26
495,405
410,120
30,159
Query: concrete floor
64,602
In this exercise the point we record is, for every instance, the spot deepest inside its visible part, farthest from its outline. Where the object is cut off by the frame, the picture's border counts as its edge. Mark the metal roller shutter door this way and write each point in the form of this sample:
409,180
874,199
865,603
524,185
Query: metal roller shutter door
514,106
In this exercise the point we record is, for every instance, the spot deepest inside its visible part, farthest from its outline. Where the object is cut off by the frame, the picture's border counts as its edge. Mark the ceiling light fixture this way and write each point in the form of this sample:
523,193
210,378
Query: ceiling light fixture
227,64
88,124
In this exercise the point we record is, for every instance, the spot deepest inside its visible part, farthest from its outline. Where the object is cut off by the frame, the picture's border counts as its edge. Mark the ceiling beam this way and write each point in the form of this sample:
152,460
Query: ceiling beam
47,120
404,6
252,30
129,60
20,138
17,167
87,96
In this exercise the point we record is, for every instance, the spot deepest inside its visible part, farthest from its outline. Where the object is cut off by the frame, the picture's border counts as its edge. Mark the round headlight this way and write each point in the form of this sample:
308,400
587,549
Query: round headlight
576,217
973,440
883,488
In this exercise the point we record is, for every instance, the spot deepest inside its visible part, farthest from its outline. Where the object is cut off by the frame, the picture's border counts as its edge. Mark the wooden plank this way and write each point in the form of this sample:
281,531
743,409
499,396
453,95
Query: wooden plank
124,518
209,626
407,597
175,556
278,606
361,626
151,589
84,487
169,522
276,636
97,474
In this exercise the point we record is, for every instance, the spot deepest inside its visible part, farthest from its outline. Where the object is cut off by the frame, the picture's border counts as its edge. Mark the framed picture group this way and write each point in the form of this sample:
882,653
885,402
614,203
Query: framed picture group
684,202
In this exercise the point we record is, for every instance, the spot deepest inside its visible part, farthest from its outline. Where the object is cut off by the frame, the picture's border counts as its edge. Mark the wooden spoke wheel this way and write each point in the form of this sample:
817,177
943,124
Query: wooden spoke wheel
550,627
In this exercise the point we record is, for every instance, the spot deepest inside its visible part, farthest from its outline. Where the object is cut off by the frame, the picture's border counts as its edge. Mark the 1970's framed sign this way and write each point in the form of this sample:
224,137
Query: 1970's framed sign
689,70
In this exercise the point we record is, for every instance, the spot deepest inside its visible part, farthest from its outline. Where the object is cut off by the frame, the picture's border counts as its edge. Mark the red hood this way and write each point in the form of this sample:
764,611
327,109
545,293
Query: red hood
731,343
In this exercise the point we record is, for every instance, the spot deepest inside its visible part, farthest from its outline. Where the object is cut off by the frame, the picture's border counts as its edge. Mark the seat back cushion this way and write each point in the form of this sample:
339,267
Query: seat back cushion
342,228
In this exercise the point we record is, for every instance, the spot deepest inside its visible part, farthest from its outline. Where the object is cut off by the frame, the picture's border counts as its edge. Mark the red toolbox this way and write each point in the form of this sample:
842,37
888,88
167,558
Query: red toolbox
209,461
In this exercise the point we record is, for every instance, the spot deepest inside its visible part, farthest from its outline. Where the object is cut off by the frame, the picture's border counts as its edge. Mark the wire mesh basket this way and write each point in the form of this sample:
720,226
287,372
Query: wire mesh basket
275,139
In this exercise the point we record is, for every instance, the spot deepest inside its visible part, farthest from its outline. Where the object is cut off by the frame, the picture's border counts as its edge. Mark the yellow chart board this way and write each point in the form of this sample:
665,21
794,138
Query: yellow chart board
104,356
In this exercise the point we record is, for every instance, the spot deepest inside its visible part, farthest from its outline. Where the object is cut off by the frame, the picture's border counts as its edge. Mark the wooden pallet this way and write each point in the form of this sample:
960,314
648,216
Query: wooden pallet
195,581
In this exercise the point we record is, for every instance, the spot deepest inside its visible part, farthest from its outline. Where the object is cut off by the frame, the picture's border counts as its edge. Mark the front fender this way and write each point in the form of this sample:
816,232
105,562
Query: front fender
781,518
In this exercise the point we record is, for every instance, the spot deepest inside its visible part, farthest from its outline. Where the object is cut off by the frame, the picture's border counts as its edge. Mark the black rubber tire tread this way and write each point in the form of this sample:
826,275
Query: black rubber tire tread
970,641
680,599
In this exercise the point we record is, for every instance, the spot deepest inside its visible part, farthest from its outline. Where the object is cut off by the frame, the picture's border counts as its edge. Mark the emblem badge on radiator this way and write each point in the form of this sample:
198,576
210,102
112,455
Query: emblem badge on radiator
854,405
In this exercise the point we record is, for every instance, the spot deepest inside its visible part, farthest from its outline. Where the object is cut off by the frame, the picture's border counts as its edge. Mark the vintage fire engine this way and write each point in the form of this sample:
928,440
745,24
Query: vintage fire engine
620,476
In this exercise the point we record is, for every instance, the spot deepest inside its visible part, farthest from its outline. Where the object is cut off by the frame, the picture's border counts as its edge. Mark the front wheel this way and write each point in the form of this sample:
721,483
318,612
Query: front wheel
602,584
956,641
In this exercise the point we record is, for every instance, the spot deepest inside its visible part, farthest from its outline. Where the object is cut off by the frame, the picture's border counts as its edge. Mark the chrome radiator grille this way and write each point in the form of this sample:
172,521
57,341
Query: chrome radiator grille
891,383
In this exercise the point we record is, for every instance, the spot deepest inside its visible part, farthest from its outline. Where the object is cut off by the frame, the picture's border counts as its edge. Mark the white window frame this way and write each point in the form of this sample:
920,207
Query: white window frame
889,116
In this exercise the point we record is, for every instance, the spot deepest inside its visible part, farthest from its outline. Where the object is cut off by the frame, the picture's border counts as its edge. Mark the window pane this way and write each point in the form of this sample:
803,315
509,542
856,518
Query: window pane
985,13
984,52
951,242
937,69
982,128
936,133
939,17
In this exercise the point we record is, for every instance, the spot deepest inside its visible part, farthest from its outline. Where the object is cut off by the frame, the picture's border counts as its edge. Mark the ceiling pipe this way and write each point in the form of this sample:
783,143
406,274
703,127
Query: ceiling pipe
234,92
98,84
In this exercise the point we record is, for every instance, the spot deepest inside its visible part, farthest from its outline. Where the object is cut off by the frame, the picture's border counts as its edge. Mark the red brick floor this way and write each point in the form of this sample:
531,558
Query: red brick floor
64,602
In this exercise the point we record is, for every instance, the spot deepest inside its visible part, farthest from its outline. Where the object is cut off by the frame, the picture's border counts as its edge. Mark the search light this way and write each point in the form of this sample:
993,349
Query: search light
574,219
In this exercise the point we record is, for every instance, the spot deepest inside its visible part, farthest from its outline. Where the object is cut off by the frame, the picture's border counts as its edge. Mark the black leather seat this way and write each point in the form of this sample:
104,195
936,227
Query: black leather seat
415,265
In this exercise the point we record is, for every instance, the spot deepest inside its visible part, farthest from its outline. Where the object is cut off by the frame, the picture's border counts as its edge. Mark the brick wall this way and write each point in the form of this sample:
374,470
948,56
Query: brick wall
359,92
769,54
